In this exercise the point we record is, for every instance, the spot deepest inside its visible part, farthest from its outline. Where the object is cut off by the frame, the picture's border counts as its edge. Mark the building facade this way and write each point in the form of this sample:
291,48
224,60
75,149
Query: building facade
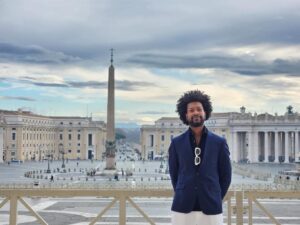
26,136
251,138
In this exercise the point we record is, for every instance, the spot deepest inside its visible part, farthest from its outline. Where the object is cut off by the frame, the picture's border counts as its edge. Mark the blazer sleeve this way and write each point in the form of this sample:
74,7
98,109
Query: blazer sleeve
173,164
224,169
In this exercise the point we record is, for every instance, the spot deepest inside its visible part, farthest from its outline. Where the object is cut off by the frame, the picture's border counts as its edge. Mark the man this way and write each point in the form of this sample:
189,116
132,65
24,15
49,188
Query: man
199,165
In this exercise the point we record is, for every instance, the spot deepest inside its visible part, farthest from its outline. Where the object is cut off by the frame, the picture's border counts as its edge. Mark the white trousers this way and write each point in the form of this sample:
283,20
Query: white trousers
196,218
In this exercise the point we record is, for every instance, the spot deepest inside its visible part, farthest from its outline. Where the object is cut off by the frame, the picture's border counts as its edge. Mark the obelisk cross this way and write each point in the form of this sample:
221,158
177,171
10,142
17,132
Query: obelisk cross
111,56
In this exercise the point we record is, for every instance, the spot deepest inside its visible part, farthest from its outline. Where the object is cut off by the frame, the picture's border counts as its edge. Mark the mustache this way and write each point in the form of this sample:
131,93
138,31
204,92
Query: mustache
198,117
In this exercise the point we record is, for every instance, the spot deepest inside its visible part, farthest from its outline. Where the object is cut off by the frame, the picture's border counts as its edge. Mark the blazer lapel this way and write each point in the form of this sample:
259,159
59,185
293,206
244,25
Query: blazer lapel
207,147
187,147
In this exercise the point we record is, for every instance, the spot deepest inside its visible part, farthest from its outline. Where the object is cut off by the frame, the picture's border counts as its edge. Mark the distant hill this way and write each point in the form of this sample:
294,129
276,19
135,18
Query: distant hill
120,134
127,125
131,134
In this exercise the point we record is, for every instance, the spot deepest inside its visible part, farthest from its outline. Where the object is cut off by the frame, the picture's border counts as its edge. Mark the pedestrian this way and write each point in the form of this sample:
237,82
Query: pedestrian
116,177
199,165
52,178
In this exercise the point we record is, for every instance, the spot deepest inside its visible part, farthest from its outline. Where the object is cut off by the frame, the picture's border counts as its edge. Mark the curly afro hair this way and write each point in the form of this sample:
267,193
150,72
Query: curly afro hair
193,96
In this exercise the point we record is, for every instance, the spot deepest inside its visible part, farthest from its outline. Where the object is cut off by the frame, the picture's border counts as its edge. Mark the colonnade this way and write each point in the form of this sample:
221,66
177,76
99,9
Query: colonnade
265,146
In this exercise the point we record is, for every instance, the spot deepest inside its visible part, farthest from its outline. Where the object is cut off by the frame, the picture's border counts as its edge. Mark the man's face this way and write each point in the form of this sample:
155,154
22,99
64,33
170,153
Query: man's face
195,114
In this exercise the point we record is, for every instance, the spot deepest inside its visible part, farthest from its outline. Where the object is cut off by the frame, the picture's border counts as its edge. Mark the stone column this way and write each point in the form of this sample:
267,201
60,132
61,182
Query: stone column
266,147
235,147
297,148
276,147
250,146
286,147
255,146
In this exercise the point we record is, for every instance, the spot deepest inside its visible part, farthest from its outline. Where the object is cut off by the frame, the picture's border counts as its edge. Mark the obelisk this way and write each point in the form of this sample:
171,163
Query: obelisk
110,130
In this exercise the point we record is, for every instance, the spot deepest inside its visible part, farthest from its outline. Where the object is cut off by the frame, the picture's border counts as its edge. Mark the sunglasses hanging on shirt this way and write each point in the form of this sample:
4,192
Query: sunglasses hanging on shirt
197,156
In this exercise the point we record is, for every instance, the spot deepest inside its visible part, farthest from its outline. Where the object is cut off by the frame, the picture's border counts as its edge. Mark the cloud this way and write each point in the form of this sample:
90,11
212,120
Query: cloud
231,63
3,78
50,85
171,26
17,98
233,50
33,54
126,85
89,84
27,78
52,81
152,113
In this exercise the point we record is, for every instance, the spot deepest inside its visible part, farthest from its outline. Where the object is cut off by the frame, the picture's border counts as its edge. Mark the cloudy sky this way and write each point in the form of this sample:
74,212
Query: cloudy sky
54,55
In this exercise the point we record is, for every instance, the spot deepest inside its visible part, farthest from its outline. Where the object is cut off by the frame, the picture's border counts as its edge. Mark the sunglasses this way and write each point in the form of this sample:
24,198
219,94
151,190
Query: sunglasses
197,156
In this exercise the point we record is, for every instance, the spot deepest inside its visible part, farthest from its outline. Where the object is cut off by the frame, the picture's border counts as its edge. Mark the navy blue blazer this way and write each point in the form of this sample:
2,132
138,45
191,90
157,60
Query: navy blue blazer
208,182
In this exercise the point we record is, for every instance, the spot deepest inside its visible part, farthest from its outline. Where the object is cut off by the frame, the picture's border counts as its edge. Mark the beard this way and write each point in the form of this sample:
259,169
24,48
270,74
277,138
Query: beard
196,121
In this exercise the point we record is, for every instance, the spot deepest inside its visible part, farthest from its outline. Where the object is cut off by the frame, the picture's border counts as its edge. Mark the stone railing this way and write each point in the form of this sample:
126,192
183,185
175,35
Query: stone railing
237,208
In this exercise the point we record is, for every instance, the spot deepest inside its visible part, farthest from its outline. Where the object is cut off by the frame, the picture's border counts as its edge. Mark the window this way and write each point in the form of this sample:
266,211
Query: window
78,151
61,123
162,137
60,136
90,140
78,136
151,140
69,150
13,136
70,136
78,144
13,128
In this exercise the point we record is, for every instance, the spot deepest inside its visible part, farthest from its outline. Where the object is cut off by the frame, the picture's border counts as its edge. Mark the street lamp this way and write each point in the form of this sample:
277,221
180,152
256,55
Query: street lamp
167,169
161,163
48,170
61,151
